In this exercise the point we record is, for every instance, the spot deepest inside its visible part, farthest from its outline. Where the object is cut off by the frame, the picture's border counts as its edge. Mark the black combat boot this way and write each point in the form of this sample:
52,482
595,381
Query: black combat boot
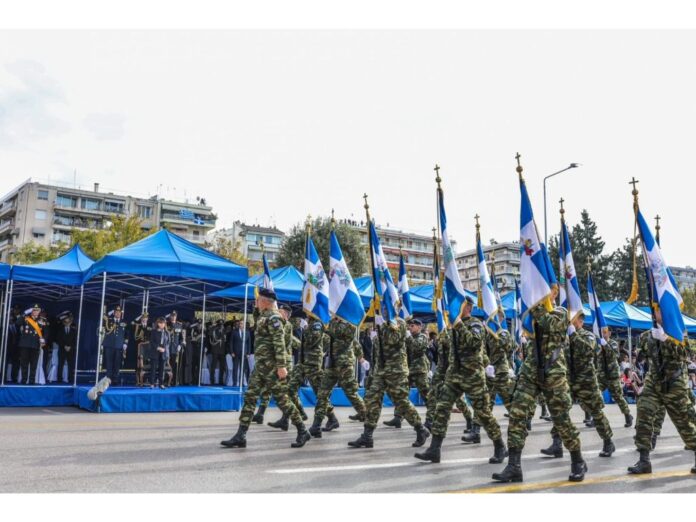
653,440
473,437
428,424
469,425
239,439
315,428
643,465
331,423
591,423
433,452
395,422
365,439
282,423
578,467
422,435
556,448
588,418
499,452
513,470
258,416
302,436
545,413
629,420
360,417
607,449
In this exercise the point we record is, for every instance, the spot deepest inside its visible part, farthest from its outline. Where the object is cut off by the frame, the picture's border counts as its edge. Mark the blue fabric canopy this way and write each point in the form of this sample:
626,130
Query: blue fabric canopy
68,269
287,283
4,272
164,254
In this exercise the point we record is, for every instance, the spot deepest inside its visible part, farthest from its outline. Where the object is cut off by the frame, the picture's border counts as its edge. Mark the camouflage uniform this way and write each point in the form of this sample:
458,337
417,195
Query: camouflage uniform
418,365
340,369
271,353
498,352
291,344
554,386
609,375
466,374
309,362
390,375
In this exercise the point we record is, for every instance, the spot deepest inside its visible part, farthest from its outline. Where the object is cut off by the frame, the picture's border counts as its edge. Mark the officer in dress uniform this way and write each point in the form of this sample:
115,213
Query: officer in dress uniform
31,340
141,335
194,349
48,343
66,339
115,343
177,340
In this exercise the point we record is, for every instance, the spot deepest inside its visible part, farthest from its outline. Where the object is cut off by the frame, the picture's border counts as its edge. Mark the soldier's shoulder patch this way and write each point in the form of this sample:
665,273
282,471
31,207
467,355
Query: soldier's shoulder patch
275,322
316,327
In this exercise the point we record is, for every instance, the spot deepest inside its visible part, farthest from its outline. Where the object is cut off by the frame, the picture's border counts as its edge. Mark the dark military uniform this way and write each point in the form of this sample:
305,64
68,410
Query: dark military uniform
216,340
177,342
114,343
141,335
609,374
31,339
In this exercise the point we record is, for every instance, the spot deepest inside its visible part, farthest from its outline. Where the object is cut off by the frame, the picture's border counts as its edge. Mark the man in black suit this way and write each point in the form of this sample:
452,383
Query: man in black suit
66,339
240,343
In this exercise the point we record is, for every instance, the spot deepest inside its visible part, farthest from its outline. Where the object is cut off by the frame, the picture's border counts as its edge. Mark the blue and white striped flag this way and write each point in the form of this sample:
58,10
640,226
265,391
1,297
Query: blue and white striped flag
454,292
569,290
488,302
518,314
267,280
667,295
344,299
384,287
598,321
437,305
315,293
404,291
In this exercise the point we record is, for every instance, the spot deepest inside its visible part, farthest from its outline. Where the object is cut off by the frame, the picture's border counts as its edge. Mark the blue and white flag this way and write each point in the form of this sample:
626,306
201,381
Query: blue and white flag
454,292
536,275
667,295
437,305
315,293
488,302
385,289
569,290
267,280
404,291
344,299
518,314
598,321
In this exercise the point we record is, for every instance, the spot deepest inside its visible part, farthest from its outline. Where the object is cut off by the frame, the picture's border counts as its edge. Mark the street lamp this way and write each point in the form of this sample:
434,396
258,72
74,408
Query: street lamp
571,166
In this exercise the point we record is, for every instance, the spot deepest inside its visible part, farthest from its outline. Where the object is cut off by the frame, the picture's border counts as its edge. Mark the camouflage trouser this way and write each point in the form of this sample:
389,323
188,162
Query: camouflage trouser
434,395
474,385
557,395
500,385
421,383
396,385
661,412
266,379
344,376
591,401
616,391
265,398
300,373
675,401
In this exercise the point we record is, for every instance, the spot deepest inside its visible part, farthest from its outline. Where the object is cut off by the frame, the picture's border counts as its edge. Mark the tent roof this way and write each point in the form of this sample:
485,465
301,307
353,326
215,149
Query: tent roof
166,255
287,282
4,271
68,269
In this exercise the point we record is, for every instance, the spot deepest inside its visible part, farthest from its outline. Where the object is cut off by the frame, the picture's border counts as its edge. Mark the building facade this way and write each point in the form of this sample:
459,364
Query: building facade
685,276
505,257
249,239
47,214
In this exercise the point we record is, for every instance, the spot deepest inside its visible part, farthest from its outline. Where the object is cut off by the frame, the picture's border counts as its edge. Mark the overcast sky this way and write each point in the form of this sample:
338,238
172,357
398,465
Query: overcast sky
270,126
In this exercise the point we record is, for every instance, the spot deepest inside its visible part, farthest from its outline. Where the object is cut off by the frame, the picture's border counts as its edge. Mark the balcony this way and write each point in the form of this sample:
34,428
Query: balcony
191,222
8,209
6,225
67,223
6,242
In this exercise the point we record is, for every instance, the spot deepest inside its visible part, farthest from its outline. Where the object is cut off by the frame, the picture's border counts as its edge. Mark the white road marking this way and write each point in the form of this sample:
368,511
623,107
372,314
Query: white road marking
53,412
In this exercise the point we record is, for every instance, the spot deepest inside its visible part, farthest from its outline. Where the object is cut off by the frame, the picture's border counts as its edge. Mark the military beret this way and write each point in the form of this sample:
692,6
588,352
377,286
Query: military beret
268,294
416,322
286,307
469,299
64,315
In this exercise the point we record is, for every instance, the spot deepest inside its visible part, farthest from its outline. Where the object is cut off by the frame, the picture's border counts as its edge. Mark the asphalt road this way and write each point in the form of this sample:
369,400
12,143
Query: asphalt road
68,450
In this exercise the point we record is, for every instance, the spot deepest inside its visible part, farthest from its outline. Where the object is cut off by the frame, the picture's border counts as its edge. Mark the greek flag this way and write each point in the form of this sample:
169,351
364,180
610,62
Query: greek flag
385,290
666,295
267,281
518,308
569,290
598,321
488,301
404,291
536,274
454,292
344,299
437,305
315,293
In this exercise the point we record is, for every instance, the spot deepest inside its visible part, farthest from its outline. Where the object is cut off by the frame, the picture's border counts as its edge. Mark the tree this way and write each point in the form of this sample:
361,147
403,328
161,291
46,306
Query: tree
621,275
225,247
31,253
292,251
122,232
689,297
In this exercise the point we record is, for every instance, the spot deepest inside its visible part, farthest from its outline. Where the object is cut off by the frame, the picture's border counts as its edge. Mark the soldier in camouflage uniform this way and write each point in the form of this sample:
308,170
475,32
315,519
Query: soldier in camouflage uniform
465,374
271,372
390,375
666,388
498,348
609,375
580,355
342,351
544,370
418,364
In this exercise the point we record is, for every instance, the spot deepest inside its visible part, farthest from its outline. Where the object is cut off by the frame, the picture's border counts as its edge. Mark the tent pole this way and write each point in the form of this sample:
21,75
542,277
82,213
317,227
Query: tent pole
5,326
8,300
244,332
101,329
142,306
630,345
200,361
79,327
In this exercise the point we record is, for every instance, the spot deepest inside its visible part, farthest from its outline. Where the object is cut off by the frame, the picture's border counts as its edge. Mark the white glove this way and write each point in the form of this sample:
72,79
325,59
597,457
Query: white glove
571,330
523,340
659,334
125,346
490,370
408,334
602,341
430,374
373,334
366,365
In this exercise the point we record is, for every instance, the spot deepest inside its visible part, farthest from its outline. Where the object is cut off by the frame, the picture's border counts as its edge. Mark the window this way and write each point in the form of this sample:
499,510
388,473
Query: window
115,207
42,195
91,204
40,214
144,211
38,235
60,236
66,201
196,234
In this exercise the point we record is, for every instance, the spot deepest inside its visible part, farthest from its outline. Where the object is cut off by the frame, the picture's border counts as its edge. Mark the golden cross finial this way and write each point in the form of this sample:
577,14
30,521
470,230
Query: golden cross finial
561,201
263,250
634,182
589,263
365,198
308,222
478,226
657,222
333,221
519,165
438,179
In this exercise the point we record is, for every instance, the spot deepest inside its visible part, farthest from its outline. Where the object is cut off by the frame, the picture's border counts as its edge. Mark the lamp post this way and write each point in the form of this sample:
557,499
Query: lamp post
571,166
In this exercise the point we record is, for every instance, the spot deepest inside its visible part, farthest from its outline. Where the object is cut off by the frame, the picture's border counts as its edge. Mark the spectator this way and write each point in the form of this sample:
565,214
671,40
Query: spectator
632,384
625,362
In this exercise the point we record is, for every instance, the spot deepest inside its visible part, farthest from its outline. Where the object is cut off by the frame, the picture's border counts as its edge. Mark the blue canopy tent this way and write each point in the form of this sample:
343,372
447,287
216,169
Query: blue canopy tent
4,277
167,267
55,280
287,282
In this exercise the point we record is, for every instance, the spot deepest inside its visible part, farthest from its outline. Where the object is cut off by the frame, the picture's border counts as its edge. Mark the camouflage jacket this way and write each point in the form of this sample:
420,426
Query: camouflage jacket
498,350
580,357
553,327
667,358
468,338
341,352
389,349
417,354
270,340
311,350
607,360
444,341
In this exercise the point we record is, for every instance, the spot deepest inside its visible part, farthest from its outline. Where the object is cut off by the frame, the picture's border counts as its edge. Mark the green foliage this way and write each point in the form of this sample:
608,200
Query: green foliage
225,247
689,297
122,232
621,275
292,251
32,253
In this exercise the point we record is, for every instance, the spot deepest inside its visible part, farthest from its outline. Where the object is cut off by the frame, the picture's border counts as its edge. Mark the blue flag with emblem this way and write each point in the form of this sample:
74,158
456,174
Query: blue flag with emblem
344,299
384,283
598,321
404,290
453,290
315,292
488,302
569,289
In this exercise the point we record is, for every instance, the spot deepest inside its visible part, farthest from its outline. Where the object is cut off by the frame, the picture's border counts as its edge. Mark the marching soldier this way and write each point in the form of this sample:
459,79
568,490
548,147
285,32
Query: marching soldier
177,342
31,341
115,343
498,348
270,372
609,374
66,339
465,374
